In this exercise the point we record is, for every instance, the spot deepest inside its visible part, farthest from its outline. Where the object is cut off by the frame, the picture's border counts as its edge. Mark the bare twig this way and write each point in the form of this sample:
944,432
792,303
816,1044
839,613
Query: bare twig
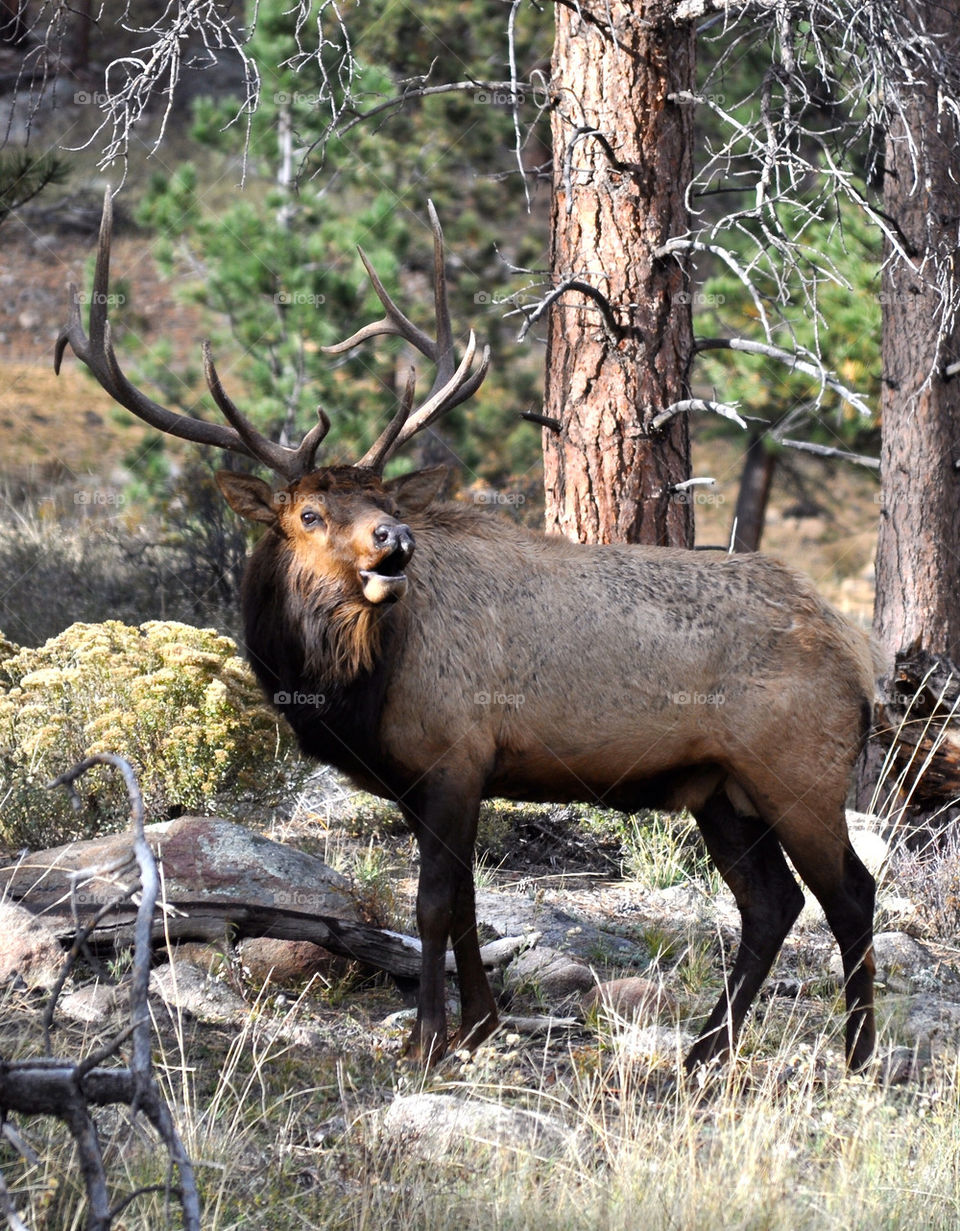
694,405
810,446
807,363
583,288
50,1086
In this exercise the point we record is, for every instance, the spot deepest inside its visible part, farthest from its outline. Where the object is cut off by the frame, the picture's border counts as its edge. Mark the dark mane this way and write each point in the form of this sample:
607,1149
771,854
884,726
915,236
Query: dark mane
318,656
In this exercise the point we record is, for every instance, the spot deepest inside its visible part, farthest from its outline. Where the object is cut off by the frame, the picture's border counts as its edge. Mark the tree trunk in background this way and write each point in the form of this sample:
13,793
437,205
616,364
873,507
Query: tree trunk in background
758,467
918,551
918,554
617,197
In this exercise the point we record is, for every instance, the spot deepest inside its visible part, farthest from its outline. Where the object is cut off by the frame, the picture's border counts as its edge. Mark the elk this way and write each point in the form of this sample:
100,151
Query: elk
440,655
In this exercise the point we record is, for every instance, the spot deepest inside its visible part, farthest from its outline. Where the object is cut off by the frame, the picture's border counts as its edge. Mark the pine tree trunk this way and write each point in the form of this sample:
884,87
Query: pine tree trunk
918,553
618,196
755,480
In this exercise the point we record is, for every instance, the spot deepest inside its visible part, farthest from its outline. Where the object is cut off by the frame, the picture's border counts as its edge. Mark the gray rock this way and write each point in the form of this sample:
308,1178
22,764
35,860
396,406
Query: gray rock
205,859
904,964
549,972
512,914
441,1127
183,986
28,948
651,1043
94,1004
930,1025
632,998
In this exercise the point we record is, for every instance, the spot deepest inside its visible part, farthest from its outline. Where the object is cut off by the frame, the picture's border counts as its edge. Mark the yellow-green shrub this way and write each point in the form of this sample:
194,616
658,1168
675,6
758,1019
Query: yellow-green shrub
178,702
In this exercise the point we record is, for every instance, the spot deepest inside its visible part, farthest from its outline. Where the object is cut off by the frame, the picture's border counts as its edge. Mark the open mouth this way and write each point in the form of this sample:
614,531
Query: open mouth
388,581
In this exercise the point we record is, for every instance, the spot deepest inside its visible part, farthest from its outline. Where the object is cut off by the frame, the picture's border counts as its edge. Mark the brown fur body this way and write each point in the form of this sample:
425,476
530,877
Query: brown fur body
525,666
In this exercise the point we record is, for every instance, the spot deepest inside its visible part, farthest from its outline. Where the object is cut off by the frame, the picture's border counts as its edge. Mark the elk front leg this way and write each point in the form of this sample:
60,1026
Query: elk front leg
445,822
478,1009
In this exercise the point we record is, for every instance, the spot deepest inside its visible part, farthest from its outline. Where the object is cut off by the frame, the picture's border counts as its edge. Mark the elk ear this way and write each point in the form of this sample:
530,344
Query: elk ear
413,492
248,496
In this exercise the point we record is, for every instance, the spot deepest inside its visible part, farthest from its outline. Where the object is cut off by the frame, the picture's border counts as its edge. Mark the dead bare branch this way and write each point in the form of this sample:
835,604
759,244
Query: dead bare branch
68,1089
695,405
810,446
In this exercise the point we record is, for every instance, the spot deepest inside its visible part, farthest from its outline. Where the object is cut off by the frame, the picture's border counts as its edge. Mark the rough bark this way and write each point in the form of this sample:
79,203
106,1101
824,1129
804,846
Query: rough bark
622,160
918,553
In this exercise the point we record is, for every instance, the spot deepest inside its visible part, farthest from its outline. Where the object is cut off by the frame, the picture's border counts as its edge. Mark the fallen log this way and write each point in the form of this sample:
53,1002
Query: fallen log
220,881
917,725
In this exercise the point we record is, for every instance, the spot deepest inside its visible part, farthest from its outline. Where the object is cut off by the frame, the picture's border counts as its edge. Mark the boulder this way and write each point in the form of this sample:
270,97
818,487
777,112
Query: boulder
282,961
205,860
28,948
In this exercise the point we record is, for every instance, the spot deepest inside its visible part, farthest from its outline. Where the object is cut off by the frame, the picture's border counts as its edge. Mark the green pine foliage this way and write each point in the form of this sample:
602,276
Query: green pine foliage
276,265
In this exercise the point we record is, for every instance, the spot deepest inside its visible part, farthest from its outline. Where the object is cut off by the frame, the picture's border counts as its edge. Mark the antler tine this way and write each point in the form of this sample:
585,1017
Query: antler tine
445,357
458,388
453,383
290,463
377,454
97,353
395,322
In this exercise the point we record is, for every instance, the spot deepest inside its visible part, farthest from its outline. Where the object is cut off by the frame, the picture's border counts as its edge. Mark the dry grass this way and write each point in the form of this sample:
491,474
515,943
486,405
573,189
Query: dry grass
284,1139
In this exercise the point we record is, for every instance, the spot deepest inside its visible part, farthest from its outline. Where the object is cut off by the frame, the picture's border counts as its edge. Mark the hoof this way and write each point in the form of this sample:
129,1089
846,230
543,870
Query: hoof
472,1035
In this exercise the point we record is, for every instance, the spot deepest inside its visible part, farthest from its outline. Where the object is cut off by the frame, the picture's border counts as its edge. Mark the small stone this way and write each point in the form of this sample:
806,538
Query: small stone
93,1004
282,961
181,985
633,998
441,1126
549,972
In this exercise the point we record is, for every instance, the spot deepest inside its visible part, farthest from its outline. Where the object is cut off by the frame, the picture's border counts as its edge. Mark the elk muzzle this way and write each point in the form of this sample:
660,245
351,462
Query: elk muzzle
385,581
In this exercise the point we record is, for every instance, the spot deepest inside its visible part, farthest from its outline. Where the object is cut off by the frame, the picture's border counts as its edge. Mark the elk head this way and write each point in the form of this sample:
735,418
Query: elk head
341,522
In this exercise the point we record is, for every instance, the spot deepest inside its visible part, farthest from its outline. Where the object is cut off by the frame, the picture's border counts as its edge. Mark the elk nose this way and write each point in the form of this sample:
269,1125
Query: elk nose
394,536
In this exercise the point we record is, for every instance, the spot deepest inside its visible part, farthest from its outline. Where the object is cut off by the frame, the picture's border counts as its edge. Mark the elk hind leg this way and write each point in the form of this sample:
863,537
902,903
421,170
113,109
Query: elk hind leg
829,866
750,859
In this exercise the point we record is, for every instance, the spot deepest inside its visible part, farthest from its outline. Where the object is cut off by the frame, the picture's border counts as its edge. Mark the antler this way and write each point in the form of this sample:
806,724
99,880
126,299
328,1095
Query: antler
96,351
454,382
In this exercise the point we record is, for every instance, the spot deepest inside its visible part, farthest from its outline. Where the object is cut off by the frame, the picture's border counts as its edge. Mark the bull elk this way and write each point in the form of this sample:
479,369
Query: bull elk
440,656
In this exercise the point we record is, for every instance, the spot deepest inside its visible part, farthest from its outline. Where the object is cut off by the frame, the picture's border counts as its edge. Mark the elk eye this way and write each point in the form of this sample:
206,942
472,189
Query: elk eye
310,518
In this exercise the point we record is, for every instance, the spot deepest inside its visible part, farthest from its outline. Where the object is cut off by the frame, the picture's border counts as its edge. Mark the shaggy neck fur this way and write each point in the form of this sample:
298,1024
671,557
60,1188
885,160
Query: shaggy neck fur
341,635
